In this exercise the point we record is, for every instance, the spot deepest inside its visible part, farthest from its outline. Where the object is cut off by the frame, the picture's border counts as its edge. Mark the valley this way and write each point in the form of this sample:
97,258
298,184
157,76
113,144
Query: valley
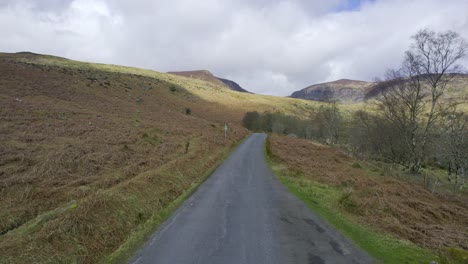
96,157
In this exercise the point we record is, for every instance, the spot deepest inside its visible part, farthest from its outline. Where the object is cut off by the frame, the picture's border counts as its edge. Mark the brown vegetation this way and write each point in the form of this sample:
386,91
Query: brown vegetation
397,207
88,156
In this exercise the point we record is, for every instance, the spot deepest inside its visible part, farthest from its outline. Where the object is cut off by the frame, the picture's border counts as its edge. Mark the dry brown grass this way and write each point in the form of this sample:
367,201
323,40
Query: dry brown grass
91,153
87,156
394,206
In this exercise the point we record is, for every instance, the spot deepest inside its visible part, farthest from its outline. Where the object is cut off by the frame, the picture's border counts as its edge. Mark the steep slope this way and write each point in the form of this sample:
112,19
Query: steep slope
233,85
209,77
344,91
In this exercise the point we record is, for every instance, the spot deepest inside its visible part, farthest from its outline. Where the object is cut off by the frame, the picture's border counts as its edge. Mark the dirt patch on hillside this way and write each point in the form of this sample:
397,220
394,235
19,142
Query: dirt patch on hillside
397,207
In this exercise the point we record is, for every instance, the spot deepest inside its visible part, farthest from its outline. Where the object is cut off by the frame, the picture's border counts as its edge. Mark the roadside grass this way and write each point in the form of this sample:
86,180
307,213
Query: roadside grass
108,225
380,214
324,200
141,235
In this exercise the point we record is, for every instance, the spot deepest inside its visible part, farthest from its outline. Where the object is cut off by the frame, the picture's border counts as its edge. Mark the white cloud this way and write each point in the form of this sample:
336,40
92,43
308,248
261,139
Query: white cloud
268,46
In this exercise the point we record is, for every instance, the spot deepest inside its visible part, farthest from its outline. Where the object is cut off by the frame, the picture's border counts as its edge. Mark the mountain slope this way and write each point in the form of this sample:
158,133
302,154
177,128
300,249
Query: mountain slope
209,77
88,155
200,75
93,156
457,89
233,85
344,91
353,92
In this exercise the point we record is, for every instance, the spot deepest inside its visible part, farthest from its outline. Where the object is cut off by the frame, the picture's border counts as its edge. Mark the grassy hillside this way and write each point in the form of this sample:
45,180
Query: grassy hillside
89,155
94,156
207,76
456,91
236,102
203,75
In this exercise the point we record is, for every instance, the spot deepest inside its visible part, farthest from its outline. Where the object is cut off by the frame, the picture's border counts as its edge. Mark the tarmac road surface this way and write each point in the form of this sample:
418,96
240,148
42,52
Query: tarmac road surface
242,214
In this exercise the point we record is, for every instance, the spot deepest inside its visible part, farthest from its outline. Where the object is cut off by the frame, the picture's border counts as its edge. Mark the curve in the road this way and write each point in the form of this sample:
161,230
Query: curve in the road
242,214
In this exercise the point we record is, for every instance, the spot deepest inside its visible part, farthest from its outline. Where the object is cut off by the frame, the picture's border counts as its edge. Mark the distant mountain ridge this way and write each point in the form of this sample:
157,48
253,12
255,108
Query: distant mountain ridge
343,90
354,91
209,77
457,89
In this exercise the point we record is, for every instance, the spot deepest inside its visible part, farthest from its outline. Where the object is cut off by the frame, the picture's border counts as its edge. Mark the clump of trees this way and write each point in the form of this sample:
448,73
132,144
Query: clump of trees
411,125
275,123
324,124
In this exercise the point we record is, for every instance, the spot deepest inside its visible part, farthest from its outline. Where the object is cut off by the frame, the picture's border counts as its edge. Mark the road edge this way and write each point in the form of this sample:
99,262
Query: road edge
326,216
138,238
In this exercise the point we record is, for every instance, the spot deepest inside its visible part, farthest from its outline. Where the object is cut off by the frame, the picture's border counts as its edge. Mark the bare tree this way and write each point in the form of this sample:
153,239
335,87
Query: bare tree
413,103
455,147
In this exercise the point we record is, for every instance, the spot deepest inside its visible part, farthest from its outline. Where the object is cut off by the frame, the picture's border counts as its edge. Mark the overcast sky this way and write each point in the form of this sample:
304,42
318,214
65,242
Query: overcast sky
267,46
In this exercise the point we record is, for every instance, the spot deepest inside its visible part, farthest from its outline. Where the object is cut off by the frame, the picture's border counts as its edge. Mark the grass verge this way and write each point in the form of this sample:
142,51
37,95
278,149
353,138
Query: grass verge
140,236
325,201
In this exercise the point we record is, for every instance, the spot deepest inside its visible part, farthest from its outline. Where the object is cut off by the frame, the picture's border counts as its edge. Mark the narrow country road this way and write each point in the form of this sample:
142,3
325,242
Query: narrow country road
242,214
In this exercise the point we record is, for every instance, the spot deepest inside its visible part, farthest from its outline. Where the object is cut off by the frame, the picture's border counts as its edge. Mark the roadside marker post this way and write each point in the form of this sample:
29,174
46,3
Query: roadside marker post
225,130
